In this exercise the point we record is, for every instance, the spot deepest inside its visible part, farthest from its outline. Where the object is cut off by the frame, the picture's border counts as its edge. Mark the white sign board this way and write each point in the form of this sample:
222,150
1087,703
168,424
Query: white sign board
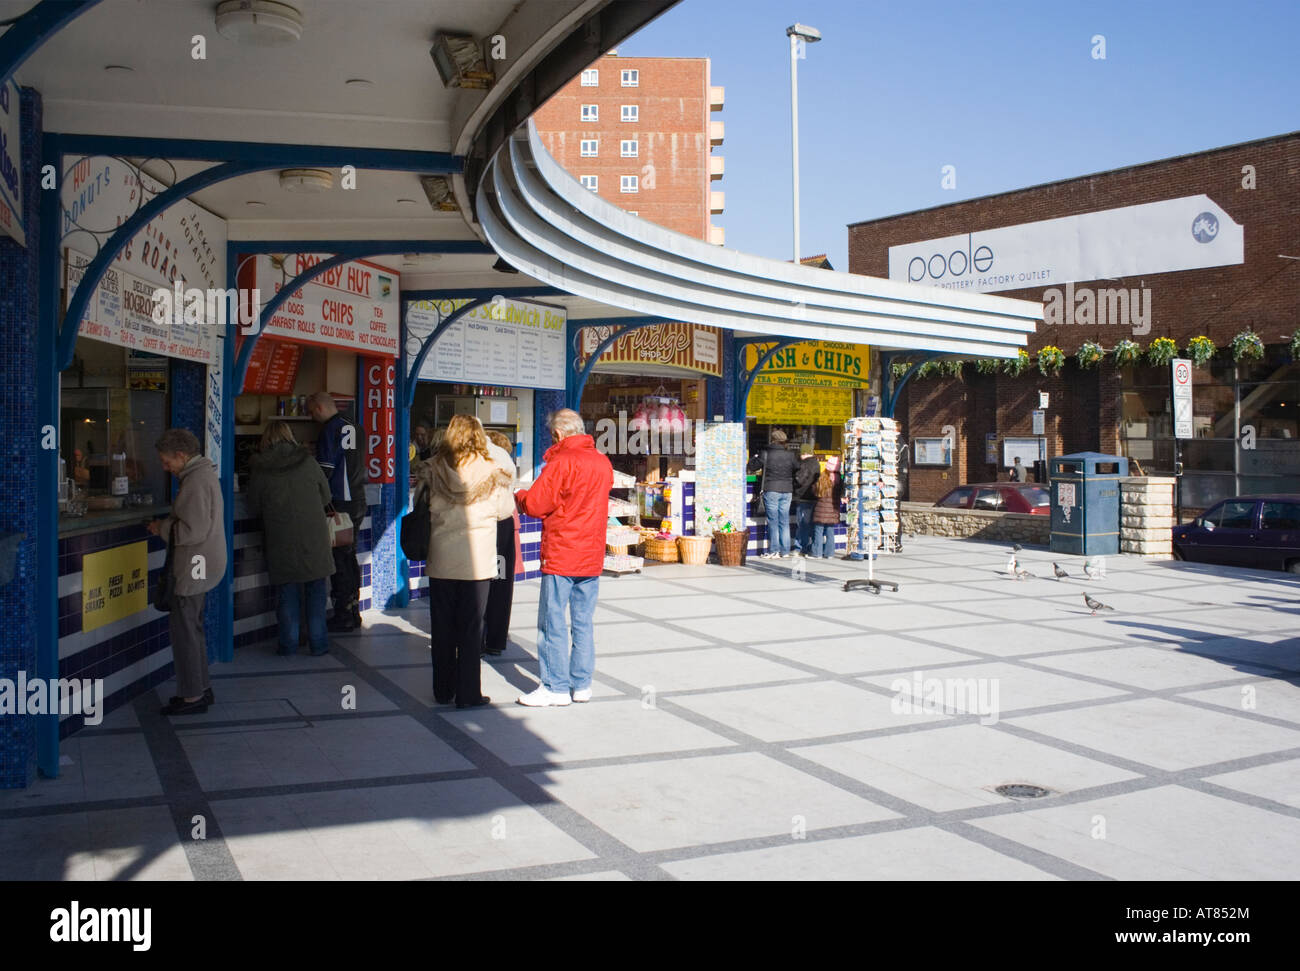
1030,450
1039,420
11,171
1178,234
352,307
932,451
507,342
1180,373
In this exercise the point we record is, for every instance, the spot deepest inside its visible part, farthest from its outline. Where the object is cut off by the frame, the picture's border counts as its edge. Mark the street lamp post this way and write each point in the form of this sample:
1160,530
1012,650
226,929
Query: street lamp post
797,33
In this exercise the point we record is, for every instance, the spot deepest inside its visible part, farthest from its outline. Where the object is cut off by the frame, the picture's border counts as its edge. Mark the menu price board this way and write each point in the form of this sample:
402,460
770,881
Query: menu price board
353,306
273,367
796,405
507,342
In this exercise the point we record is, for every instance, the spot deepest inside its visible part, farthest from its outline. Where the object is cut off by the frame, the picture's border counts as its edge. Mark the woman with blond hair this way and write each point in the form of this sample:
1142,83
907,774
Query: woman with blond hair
466,490
290,492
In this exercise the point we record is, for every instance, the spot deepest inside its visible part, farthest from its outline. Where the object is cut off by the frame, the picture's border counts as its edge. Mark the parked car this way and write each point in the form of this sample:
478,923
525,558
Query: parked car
1262,532
1026,497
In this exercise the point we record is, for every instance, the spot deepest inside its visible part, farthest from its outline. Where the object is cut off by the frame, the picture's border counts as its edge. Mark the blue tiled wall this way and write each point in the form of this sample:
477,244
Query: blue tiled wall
383,543
19,445
189,389
544,402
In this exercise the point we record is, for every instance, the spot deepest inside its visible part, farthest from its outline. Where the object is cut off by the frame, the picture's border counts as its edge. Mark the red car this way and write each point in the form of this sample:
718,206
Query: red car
1025,497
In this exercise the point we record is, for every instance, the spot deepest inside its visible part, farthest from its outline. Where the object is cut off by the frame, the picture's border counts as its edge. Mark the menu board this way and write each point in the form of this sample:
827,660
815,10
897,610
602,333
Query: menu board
773,404
506,342
134,313
273,367
352,306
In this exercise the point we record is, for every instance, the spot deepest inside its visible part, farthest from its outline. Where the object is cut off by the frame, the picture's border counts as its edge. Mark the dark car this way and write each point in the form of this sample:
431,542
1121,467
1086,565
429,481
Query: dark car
1026,497
1262,532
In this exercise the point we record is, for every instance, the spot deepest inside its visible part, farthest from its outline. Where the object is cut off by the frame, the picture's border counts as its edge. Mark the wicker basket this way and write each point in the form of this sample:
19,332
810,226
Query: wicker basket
732,547
664,550
694,549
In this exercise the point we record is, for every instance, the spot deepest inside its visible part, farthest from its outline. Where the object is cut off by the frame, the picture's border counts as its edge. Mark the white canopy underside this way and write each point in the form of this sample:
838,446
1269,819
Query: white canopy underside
543,222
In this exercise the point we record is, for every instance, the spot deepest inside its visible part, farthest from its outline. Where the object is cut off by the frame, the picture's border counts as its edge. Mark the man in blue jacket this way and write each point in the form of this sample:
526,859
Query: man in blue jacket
338,452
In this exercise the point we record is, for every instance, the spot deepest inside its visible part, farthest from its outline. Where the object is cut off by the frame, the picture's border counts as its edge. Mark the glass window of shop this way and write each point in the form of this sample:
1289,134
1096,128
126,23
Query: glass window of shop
1246,427
113,405
644,424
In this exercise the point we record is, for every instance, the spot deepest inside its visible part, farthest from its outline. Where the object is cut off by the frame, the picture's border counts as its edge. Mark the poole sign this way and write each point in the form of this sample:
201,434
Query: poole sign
1188,233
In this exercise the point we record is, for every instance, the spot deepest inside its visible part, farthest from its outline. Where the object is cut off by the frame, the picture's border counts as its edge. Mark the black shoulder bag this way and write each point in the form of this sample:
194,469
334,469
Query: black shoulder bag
166,589
416,527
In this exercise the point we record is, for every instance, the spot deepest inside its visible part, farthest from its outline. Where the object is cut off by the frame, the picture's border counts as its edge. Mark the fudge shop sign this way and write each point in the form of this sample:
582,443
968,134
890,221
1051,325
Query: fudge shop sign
1189,233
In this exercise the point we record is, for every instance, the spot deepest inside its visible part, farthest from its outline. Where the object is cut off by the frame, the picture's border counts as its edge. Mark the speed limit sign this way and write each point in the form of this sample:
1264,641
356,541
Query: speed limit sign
1181,373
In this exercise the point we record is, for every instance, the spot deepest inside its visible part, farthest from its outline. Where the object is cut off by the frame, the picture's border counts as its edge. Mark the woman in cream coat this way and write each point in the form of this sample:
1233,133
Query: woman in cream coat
467,493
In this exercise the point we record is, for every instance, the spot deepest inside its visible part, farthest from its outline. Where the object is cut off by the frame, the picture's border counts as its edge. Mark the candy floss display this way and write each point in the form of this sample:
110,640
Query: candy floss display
871,485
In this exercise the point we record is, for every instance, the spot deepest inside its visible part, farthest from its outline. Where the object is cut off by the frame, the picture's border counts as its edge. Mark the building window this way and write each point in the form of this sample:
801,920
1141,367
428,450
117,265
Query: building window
590,182
590,113
628,147
630,112
590,78
589,147
630,78
633,212
629,183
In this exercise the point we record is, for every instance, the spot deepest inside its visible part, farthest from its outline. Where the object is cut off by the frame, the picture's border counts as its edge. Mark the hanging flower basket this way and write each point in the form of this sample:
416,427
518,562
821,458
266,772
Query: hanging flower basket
1089,354
1050,360
1200,350
1018,364
1161,351
1126,353
1247,346
899,368
987,365
927,370
1295,344
951,368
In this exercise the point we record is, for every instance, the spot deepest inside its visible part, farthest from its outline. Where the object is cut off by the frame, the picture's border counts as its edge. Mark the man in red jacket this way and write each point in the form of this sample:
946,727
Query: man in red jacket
571,498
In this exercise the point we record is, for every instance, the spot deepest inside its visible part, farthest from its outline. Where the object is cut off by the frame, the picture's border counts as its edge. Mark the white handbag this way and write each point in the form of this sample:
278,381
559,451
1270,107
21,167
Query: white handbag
340,527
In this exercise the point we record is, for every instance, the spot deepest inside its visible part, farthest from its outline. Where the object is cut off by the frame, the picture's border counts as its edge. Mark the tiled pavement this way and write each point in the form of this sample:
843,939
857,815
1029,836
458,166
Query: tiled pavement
746,723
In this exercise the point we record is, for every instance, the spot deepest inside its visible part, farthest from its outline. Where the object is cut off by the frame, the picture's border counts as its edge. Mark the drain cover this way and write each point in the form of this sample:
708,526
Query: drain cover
1022,791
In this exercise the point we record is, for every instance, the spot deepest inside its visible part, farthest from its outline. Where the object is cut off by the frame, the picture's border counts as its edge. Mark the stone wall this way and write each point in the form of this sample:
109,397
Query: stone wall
926,520
1146,517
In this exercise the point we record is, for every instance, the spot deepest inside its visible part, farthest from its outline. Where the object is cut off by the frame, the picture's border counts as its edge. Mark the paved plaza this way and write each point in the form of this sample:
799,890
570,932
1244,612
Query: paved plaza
746,724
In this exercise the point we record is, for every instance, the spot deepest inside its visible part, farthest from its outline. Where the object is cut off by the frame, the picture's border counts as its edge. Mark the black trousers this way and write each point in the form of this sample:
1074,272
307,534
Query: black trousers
501,595
345,584
456,632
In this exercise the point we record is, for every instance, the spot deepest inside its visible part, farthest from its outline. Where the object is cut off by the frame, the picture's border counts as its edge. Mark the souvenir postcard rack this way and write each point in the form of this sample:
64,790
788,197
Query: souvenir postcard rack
871,485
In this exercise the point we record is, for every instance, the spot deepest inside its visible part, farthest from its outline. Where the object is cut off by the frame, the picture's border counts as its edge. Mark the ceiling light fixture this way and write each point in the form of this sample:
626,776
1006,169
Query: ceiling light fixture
254,202
359,83
306,180
259,23
406,202
118,69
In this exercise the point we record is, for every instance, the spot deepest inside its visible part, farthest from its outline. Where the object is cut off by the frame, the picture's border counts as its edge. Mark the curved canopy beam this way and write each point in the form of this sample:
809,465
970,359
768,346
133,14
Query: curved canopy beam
33,29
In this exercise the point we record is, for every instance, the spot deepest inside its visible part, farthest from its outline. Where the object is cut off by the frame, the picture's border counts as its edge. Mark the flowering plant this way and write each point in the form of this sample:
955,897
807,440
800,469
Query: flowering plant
1247,346
1051,359
899,368
1295,344
928,369
1127,353
1200,349
718,522
1016,366
987,365
1089,354
1162,350
951,368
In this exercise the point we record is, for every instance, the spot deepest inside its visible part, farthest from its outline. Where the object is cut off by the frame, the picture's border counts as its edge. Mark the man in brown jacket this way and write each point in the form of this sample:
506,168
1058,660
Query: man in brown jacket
198,562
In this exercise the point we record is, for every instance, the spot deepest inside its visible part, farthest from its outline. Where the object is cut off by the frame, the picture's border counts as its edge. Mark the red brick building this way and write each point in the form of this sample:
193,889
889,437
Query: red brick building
1247,437
640,132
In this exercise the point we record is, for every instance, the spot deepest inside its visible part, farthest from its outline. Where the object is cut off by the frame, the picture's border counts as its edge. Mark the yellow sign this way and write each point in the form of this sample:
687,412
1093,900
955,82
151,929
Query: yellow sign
814,364
778,404
114,584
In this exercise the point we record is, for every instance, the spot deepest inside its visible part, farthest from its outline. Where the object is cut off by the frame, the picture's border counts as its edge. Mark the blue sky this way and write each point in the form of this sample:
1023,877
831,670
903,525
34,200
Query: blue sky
1007,92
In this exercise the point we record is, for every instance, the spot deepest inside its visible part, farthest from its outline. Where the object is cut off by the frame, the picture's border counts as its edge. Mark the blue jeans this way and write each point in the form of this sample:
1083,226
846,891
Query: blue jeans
777,506
288,609
823,543
567,665
804,524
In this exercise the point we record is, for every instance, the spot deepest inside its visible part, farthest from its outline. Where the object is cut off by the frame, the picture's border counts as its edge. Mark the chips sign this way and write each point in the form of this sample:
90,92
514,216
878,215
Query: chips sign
352,307
1180,374
814,364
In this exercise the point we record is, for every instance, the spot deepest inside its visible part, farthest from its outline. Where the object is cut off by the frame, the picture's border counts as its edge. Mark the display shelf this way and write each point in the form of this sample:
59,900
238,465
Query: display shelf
871,485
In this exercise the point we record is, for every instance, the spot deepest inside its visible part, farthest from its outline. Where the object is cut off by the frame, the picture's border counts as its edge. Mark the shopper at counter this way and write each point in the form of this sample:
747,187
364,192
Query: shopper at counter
467,491
826,513
805,498
198,563
778,467
289,491
571,498
501,594
338,451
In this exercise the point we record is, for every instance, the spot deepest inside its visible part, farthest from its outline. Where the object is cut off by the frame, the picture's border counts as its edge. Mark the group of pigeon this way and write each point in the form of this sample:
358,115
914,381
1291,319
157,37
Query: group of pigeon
1094,568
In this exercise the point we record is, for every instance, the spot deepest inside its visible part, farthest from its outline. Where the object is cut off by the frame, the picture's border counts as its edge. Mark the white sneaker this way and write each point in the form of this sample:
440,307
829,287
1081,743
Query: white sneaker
541,698
582,695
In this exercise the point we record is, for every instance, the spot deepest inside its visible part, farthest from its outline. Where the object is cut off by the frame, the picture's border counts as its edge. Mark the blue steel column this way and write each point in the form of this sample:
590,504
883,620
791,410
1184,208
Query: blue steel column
225,590
47,414
402,591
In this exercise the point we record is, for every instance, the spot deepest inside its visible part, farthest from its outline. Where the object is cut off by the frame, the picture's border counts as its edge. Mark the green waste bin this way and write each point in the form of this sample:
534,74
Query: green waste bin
1085,502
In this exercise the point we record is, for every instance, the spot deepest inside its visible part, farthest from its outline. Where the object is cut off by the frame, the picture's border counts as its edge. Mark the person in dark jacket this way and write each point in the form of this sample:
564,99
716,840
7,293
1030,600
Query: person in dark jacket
805,498
571,497
338,452
778,465
501,592
288,489
826,513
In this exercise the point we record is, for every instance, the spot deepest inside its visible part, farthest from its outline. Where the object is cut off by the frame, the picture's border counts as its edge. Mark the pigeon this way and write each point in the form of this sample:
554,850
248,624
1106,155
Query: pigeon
1060,574
1017,548
1012,565
1022,574
1095,605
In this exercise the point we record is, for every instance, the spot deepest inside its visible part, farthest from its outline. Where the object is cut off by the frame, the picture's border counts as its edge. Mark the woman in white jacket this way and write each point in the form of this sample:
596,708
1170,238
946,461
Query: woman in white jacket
467,491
